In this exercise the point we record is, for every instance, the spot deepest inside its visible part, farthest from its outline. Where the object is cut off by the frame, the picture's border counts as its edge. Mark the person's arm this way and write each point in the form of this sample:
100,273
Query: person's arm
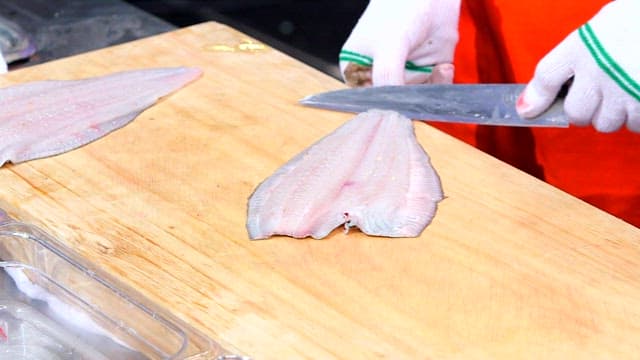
603,60
402,41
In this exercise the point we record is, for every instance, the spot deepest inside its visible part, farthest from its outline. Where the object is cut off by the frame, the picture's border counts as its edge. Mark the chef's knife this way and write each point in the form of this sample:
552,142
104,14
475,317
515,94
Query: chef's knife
487,104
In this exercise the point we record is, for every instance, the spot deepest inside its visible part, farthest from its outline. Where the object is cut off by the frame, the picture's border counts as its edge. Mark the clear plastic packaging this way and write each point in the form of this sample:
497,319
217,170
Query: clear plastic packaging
54,305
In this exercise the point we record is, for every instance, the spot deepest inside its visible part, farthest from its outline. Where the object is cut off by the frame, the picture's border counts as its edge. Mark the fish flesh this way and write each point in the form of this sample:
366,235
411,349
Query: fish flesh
4,217
370,173
45,118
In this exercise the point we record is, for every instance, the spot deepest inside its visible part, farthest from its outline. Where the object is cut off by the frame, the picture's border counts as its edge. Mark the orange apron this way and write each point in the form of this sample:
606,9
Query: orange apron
502,41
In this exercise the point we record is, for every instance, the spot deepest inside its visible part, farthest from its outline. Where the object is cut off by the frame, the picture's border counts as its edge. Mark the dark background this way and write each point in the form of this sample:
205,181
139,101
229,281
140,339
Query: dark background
312,31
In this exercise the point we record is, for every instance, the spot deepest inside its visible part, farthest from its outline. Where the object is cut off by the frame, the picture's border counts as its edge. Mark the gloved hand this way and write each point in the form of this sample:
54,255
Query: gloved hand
3,64
603,58
397,42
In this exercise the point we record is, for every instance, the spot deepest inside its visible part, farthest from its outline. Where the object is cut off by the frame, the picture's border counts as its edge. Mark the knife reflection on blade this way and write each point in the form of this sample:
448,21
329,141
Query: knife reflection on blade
486,104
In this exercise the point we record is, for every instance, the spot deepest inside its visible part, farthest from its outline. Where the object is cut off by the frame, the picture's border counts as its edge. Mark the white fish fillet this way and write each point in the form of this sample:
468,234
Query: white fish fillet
46,118
371,173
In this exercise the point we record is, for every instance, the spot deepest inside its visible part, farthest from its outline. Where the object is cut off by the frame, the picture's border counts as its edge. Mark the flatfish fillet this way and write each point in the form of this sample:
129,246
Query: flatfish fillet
46,118
371,173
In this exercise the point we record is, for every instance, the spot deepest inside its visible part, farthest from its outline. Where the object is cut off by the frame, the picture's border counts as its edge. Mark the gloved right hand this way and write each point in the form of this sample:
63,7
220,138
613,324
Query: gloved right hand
398,42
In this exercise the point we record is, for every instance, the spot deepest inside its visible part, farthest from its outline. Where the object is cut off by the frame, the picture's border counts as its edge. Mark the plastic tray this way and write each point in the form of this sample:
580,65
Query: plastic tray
54,305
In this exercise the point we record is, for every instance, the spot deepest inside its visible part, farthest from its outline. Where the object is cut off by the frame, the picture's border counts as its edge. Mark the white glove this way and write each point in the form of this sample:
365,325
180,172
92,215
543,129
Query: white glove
402,40
604,60
3,64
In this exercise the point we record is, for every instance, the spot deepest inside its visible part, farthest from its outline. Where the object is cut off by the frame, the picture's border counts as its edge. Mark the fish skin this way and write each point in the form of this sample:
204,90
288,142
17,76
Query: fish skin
50,117
371,173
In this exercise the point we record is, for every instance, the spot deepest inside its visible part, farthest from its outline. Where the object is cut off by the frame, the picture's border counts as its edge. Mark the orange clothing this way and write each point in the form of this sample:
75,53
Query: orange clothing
502,41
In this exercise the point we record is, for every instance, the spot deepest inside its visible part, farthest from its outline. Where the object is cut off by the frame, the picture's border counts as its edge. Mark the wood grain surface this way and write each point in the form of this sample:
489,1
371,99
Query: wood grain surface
510,267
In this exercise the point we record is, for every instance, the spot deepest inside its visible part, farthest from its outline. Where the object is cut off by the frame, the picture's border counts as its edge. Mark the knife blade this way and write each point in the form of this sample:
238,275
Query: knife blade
486,104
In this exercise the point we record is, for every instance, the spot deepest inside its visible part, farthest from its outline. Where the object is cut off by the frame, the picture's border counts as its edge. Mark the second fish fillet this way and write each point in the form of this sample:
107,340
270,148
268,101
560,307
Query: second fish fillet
371,173
45,118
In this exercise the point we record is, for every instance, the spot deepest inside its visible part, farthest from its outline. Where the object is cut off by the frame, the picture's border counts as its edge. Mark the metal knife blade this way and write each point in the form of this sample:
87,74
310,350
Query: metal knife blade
486,104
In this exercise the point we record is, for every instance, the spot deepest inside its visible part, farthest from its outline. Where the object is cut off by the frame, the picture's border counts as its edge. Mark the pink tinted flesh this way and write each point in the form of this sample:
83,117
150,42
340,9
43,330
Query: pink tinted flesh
46,118
371,173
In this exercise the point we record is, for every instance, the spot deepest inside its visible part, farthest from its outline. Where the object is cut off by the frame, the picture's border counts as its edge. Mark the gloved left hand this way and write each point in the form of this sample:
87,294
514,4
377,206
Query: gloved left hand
397,42
604,60
3,64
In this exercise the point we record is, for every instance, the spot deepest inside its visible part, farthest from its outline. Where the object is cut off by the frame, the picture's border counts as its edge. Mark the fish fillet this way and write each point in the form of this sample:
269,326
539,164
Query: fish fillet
371,173
46,118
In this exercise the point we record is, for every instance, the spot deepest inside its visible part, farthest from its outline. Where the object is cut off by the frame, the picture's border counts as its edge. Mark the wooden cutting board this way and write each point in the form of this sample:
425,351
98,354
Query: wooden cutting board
510,267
